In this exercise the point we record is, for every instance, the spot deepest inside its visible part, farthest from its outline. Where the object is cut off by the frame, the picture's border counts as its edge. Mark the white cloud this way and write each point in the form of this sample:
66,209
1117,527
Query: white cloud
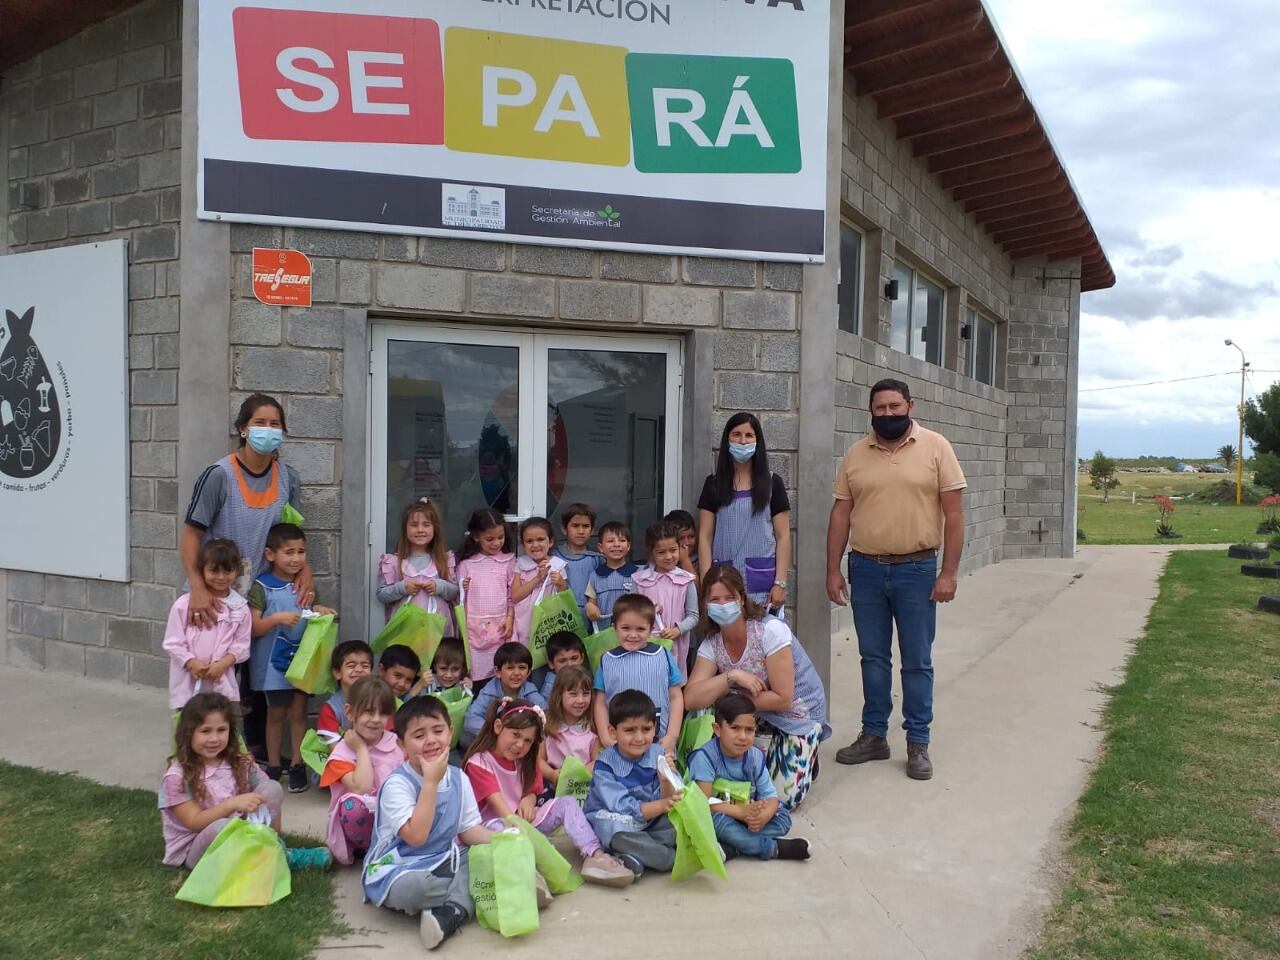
1164,113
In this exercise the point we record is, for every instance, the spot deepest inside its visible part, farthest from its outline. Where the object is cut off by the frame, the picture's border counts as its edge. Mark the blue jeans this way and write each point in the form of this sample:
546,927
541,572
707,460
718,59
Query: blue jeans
734,833
883,594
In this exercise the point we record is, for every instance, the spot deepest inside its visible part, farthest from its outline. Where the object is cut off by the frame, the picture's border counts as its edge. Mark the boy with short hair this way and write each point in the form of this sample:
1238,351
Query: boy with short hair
578,522
425,809
512,663
399,666
564,649
612,577
277,626
628,802
731,769
352,659
688,538
637,663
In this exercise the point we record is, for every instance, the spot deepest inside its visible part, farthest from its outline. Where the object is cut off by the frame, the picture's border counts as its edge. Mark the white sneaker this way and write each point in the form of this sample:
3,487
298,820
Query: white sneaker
606,870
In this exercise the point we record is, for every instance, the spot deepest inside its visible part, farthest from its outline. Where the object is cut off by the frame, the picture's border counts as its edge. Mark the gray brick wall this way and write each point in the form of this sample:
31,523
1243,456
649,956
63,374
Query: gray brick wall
94,133
297,354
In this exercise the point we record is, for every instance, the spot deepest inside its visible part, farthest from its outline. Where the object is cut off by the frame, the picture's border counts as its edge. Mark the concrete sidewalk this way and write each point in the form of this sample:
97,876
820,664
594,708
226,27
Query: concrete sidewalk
955,868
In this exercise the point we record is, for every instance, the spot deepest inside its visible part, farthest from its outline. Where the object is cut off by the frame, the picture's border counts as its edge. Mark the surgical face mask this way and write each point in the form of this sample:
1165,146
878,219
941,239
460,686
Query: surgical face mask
742,452
724,613
265,439
891,427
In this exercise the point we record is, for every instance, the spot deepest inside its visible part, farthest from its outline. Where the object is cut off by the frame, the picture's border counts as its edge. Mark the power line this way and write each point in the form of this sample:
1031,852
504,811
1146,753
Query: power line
1155,383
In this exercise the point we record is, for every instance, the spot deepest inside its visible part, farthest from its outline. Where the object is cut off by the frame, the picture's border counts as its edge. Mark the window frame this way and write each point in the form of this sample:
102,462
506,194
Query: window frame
859,278
916,274
974,319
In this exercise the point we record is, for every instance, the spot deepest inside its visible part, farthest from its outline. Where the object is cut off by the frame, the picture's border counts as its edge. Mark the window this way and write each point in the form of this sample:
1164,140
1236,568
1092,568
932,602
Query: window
917,319
850,294
983,331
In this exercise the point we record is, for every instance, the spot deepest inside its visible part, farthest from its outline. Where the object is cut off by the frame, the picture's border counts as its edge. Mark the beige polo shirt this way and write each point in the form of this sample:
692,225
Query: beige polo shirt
896,509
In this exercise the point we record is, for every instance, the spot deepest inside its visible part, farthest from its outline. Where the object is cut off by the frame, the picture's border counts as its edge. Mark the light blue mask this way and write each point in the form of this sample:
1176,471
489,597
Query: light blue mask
742,452
724,613
265,439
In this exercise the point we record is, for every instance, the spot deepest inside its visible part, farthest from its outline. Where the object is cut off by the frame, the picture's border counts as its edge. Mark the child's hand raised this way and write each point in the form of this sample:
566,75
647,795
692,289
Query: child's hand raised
466,683
354,741
433,768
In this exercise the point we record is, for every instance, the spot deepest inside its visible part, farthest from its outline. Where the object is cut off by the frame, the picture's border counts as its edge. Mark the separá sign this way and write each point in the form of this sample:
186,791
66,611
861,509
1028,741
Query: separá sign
686,126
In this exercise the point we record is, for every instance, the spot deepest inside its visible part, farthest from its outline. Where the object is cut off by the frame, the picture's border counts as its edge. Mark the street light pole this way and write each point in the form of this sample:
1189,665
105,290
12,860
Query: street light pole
1244,367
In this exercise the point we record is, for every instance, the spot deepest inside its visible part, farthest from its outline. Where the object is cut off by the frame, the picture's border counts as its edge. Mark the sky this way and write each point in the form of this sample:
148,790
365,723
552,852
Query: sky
1165,114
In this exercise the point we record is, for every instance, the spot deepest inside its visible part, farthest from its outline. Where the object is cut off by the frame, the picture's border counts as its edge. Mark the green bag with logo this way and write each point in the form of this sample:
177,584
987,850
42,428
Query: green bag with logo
574,780
457,699
411,626
731,791
555,869
315,751
503,885
311,669
243,867
552,614
289,514
696,845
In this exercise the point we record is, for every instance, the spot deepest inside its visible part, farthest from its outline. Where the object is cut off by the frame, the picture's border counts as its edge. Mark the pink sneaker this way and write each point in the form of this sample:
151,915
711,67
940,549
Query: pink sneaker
607,871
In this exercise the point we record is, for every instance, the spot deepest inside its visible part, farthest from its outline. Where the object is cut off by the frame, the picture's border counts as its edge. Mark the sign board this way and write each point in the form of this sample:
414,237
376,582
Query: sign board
281,278
64,411
676,126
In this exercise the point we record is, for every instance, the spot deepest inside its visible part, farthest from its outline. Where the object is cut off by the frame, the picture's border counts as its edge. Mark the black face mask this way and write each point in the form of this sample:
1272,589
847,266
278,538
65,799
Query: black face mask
891,427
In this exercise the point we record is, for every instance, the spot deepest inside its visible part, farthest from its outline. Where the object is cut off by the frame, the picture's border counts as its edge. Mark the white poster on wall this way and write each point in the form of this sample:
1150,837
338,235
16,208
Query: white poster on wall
677,126
64,409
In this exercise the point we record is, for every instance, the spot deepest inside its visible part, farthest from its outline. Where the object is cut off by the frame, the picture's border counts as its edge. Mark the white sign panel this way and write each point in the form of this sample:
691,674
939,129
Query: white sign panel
683,126
64,411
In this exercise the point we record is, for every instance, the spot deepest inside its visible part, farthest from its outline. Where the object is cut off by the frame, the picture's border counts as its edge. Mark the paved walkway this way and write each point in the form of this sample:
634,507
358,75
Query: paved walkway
955,868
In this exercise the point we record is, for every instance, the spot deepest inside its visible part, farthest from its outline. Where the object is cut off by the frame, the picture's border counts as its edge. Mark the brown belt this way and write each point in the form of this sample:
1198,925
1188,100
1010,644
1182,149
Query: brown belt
896,557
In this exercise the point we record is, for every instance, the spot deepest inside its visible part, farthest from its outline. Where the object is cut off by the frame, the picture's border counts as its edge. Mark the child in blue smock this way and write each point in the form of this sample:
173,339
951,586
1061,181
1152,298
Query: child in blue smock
512,663
578,521
730,770
426,816
628,803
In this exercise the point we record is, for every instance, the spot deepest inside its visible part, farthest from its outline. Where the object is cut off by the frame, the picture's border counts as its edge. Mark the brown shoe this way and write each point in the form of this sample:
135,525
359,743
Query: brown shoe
919,766
866,747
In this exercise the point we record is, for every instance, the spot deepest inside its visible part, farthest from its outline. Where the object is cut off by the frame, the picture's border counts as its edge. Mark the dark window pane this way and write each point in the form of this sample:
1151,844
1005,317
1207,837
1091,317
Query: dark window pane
985,352
850,277
927,317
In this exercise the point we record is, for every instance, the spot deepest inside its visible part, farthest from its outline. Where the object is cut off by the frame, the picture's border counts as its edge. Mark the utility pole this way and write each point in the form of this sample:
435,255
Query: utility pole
1244,368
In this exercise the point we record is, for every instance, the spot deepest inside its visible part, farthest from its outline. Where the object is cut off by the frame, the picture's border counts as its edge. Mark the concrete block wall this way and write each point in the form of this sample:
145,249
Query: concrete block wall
1041,378
298,354
93,133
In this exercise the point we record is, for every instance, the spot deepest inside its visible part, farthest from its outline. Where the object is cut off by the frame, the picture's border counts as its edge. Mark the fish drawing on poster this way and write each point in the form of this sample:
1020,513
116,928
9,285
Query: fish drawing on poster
31,432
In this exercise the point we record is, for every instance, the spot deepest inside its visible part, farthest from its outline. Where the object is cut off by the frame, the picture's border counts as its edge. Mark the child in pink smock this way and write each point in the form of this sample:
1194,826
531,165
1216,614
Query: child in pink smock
570,729
502,765
673,590
365,756
421,569
486,571
203,658
538,573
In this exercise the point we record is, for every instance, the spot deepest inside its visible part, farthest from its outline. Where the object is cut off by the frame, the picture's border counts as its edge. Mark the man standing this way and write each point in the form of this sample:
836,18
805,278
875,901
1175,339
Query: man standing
900,488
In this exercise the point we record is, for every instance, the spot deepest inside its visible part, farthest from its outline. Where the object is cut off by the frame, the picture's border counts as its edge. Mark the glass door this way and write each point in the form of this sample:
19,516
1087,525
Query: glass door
457,413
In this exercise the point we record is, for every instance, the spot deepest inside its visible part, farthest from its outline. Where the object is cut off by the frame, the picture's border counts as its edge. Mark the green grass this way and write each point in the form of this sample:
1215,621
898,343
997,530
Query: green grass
81,877
1173,851
1122,521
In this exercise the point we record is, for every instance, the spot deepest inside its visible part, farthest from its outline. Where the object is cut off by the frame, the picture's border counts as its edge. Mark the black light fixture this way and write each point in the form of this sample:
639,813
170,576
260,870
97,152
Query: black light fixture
891,290
966,332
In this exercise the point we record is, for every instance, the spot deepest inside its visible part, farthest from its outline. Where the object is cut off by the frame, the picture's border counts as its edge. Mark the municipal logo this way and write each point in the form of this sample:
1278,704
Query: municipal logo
462,205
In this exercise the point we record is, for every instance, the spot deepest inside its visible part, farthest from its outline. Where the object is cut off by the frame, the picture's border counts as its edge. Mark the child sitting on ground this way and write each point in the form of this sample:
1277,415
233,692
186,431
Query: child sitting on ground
399,667
613,576
203,658
628,802
448,669
731,769
359,763
578,521
570,728
278,626
639,664
513,663
502,765
426,810
673,590
212,780
564,649
352,659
